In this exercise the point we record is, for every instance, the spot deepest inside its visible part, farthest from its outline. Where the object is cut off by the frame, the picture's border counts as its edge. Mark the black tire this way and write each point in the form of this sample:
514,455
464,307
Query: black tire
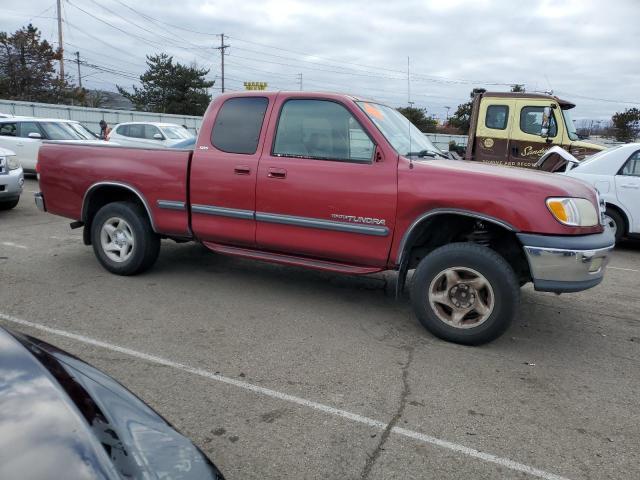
618,222
146,246
495,270
10,204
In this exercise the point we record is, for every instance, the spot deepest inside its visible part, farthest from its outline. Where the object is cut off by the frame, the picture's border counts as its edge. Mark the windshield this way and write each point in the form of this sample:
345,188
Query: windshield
597,155
64,131
83,131
403,136
571,126
176,133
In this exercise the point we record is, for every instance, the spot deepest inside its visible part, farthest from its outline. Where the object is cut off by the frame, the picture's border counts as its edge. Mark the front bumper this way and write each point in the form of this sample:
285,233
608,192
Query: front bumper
11,184
567,264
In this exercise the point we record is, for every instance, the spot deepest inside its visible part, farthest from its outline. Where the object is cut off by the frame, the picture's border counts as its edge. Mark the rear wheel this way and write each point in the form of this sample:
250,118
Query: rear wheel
465,293
123,239
615,221
9,205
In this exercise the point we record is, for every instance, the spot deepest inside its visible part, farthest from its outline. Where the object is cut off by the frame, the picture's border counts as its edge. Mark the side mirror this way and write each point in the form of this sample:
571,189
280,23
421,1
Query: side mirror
546,120
158,136
34,135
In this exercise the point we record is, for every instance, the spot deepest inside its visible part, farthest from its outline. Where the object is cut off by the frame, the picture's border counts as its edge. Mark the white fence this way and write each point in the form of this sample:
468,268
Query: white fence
92,116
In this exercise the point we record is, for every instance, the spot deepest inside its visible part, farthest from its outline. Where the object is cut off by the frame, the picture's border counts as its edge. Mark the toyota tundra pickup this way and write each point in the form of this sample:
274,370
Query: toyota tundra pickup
338,183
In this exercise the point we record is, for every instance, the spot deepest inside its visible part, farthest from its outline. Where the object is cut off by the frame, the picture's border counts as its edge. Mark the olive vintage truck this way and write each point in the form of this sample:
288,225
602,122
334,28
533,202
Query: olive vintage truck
516,129
343,184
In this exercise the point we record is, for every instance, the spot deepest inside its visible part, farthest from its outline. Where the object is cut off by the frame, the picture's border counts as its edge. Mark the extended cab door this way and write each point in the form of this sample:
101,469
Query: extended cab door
224,168
494,124
527,146
628,190
325,190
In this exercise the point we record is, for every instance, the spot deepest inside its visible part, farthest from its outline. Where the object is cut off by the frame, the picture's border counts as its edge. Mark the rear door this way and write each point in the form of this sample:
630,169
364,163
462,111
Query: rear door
628,190
322,191
526,145
492,134
223,171
29,147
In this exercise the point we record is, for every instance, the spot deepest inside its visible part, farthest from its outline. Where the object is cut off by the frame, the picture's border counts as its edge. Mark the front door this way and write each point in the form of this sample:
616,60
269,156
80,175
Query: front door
628,190
527,146
223,172
324,189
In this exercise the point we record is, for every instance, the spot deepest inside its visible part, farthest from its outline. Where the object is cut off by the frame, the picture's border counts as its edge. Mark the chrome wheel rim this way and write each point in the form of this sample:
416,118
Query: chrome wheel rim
116,238
461,297
611,223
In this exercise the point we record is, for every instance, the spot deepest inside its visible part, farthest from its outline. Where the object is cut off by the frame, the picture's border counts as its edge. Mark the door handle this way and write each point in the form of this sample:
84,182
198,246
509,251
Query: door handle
19,144
630,185
277,173
242,170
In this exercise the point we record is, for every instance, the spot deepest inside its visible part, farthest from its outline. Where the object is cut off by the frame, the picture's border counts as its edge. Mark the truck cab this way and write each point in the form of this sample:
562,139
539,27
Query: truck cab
516,129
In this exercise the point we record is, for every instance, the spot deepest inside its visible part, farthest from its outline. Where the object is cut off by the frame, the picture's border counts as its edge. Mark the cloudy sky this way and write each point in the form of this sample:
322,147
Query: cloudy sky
587,51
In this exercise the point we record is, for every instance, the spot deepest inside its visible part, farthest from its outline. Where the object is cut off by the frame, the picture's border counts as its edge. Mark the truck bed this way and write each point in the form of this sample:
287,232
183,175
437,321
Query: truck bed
71,172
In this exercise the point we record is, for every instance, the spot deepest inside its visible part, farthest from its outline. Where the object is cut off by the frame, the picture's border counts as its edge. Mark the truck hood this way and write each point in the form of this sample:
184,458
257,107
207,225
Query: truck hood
515,196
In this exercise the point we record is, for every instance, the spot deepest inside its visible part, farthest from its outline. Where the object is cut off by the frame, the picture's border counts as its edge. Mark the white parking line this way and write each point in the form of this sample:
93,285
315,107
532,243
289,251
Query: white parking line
14,245
421,437
624,269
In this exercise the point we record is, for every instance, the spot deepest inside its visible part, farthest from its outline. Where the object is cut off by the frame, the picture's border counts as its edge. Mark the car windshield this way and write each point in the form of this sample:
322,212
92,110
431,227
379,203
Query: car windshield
597,155
83,131
403,136
571,126
63,131
176,133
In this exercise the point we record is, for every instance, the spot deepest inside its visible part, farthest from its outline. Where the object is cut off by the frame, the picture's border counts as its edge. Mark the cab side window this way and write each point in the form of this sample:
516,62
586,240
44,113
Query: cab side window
123,130
632,167
497,117
29,127
237,127
531,121
8,129
136,130
321,130
150,131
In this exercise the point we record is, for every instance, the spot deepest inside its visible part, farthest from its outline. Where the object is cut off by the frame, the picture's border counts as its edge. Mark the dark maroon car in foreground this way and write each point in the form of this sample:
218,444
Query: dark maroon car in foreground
60,418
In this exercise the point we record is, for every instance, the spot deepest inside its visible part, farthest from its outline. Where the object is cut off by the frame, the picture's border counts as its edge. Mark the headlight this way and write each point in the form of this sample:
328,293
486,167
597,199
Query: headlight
12,163
575,212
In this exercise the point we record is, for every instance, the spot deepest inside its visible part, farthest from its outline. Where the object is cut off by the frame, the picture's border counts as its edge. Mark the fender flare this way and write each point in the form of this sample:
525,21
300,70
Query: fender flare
126,186
402,257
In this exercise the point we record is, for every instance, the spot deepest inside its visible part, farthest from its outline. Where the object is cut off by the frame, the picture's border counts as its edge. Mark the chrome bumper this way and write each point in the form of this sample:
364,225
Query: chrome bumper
567,264
39,198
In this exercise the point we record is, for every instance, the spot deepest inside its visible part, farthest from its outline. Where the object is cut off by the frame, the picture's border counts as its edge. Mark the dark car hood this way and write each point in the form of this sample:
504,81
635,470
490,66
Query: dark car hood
62,418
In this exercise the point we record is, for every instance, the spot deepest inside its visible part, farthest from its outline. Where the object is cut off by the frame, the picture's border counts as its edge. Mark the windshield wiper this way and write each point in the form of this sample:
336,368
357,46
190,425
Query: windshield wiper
426,153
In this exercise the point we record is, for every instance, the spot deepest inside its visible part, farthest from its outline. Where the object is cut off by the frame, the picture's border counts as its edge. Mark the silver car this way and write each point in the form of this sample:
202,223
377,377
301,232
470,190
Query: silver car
11,179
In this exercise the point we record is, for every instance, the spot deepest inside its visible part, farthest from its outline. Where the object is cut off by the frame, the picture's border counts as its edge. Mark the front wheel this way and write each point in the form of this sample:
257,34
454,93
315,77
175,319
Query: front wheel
615,221
123,240
465,293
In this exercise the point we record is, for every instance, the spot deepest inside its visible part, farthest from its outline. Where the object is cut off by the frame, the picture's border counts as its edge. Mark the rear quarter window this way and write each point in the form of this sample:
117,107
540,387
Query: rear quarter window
238,124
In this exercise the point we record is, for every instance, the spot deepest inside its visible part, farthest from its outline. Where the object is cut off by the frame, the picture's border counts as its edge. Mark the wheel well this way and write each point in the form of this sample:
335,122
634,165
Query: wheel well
439,230
622,215
100,196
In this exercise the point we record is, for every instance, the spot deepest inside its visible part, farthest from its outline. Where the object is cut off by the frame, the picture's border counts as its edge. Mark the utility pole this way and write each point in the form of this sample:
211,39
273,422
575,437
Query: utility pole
300,80
447,108
222,48
78,62
60,46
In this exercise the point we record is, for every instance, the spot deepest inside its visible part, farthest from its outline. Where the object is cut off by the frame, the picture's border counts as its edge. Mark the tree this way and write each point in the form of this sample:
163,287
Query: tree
26,67
626,124
418,116
170,88
518,87
461,119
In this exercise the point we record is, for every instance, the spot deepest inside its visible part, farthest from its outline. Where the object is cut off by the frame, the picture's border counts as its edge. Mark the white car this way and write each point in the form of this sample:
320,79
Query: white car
148,134
24,135
615,173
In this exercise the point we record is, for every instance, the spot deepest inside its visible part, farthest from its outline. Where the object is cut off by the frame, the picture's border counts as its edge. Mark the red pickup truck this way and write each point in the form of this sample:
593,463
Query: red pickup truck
335,182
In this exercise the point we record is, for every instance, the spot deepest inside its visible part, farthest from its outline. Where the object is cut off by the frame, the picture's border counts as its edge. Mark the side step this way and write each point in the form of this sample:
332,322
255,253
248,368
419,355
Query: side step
291,260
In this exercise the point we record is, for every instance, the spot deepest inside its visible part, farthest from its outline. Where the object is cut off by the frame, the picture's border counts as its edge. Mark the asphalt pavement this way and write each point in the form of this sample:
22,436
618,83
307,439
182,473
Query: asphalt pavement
283,373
